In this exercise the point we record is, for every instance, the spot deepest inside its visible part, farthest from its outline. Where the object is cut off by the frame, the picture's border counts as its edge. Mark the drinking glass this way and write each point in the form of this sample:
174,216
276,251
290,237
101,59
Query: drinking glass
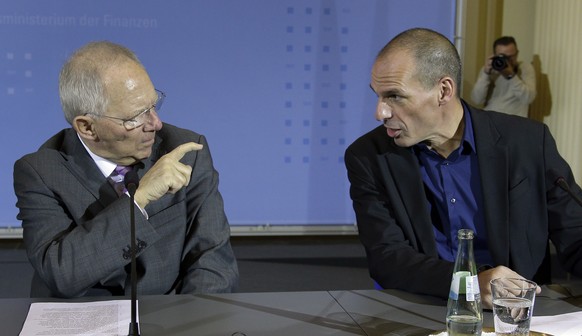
513,302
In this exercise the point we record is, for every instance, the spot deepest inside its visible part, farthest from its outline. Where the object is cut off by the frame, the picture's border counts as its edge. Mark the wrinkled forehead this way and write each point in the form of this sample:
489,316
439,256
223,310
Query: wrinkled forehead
129,88
396,57
394,64
124,73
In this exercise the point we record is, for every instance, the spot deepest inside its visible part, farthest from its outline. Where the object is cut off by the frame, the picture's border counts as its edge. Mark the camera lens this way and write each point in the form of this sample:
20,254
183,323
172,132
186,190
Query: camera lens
499,62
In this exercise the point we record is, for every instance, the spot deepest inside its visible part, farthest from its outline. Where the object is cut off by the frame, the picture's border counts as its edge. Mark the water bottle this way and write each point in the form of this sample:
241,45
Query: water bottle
464,311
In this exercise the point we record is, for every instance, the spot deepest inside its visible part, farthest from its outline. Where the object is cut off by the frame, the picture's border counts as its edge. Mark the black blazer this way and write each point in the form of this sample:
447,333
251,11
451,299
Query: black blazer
518,162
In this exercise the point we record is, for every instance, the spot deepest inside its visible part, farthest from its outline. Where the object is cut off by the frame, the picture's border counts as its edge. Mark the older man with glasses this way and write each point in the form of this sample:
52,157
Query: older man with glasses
75,219
504,84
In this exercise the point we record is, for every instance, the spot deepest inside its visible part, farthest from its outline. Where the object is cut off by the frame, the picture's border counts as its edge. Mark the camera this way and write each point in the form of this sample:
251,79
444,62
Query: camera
499,62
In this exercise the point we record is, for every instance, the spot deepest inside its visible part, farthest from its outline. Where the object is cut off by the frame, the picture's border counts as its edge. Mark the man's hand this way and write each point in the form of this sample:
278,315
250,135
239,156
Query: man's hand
486,276
168,175
507,72
487,68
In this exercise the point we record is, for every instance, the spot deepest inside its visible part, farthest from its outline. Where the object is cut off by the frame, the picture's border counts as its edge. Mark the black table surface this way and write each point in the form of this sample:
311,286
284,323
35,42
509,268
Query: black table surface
348,312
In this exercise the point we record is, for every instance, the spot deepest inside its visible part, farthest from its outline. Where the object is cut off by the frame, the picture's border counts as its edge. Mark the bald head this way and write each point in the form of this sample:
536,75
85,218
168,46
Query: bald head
434,55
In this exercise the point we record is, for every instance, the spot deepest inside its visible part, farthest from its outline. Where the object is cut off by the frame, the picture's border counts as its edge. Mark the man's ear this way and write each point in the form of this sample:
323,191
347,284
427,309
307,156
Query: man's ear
447,90
85,127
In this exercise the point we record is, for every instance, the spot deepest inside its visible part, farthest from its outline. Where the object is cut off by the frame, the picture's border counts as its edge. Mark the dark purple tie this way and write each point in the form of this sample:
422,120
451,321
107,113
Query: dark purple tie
116,179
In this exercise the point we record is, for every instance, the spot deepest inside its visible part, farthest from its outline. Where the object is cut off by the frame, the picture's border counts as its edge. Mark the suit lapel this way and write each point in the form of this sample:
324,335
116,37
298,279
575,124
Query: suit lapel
79,163
493,167
408,182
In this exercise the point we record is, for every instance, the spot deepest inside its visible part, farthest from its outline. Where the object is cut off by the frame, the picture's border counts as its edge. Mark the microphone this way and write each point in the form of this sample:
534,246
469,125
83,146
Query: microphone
561,182
131,181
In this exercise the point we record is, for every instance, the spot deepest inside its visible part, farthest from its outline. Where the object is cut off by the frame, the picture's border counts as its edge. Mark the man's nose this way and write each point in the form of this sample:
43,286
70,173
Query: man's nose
154,123
383,111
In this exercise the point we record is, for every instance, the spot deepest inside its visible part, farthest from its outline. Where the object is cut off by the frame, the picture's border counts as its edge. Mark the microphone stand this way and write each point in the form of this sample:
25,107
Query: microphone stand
131,183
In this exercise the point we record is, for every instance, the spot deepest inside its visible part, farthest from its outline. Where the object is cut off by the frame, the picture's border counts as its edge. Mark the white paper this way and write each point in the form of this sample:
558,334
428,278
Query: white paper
79,318
563,324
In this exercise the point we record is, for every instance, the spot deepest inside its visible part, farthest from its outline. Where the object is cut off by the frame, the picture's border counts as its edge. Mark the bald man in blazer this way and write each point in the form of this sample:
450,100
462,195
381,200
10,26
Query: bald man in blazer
523,206
77,227
504,166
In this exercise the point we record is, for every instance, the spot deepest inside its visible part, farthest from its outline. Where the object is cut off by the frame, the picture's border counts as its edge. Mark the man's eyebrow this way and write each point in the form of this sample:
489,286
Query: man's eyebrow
389,92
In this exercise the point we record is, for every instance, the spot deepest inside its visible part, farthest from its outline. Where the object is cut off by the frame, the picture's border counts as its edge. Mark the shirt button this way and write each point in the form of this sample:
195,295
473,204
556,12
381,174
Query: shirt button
453,200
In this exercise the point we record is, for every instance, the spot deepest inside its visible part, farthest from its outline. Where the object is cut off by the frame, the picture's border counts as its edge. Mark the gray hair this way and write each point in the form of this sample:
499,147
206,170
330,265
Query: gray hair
435,56
81,86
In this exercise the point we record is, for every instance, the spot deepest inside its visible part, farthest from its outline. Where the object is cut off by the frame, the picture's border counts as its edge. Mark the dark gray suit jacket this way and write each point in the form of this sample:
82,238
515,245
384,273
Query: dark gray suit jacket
518,162
77,231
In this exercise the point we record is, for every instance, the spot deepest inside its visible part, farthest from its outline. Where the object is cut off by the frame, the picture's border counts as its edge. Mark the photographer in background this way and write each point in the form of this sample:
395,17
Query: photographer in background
504,84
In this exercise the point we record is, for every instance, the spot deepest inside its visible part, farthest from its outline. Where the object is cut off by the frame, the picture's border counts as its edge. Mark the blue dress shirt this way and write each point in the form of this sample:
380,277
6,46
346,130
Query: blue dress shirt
454,195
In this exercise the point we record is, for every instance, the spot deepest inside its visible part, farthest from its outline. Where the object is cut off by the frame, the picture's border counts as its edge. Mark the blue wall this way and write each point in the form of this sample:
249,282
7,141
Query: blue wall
280,88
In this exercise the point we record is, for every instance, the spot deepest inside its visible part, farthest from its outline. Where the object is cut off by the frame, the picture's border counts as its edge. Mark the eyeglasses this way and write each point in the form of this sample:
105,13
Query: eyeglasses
140,118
